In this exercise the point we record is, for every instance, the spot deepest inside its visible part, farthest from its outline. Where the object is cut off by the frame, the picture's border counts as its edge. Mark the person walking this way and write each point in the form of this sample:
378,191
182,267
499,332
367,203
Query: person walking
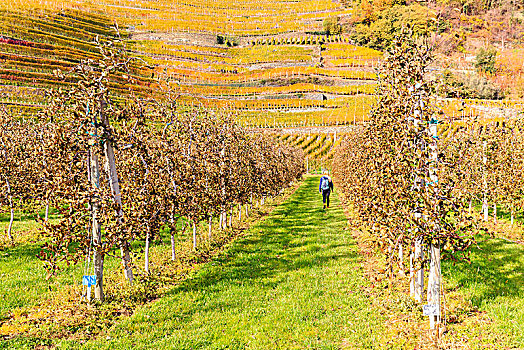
325,187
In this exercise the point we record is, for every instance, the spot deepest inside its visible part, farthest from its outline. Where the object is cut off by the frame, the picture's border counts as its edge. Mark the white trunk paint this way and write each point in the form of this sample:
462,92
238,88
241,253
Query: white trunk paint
146,253
307,165
46,211
210,226
419,272
194,236
434,284
401,259
239,213
173,252
11,211
11,220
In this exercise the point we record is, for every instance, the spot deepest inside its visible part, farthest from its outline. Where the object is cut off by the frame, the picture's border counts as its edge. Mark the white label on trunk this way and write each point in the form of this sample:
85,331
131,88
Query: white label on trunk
430,310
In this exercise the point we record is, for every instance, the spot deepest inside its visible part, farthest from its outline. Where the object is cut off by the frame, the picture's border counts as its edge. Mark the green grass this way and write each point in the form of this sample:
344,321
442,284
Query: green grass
22,275
291,283
494,284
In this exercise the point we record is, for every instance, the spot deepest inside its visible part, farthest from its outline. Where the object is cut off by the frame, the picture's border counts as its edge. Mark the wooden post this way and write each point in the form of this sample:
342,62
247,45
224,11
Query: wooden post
485,182
434,280
115,191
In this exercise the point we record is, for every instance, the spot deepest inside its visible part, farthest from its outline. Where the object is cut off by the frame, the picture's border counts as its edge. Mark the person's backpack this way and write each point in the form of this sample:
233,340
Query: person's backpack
325,183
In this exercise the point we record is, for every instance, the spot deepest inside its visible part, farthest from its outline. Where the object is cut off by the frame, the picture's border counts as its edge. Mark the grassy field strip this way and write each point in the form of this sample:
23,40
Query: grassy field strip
492,288
292,283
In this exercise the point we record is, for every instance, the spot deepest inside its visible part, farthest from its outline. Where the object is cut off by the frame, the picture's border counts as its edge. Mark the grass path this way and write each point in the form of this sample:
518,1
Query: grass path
293,282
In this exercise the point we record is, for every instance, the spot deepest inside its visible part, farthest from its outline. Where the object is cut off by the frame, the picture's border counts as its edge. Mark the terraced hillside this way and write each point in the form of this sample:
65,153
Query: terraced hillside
270,63
261,63
35,44
319,148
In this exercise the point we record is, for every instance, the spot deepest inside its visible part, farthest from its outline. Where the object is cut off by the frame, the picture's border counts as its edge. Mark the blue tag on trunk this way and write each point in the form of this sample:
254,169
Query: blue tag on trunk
89,280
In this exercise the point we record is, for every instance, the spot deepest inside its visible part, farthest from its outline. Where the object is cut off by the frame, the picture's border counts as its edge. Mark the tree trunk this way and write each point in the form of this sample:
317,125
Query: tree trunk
96,229
146,253
390,266
125,255
194,235
11,221
11,211
401,259
419,272
173,252
231,217
495,213
210,227
46,210
434,284
239,213
172,231
512,217
411,275
307,165
98,259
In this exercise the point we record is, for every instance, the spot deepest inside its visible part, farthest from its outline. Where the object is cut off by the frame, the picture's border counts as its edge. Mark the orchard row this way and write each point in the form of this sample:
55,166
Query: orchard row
125,171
